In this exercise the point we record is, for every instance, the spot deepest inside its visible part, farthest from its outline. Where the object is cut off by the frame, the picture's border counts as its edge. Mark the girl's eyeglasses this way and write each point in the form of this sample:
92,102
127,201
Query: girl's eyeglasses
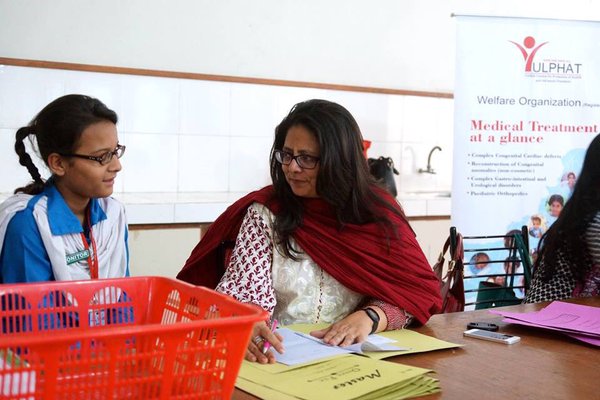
101,159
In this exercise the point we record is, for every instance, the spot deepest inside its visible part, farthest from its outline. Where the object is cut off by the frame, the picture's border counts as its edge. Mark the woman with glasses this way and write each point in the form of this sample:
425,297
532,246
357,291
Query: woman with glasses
323,244
67,227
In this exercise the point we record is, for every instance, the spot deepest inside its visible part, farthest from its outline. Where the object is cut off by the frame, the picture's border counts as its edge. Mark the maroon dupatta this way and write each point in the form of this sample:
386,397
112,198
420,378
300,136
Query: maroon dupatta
358,256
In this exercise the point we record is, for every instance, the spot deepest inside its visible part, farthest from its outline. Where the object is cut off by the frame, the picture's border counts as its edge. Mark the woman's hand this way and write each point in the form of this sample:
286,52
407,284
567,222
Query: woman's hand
261,333
353,329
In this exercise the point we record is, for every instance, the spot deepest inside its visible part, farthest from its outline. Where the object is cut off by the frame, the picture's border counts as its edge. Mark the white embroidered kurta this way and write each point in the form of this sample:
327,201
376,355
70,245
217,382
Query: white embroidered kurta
293,291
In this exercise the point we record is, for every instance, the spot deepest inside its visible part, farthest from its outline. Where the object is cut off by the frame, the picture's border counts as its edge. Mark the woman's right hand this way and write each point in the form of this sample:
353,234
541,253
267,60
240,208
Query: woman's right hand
261,333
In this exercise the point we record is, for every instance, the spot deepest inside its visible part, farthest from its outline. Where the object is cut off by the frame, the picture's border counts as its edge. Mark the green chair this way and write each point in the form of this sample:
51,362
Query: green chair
497,268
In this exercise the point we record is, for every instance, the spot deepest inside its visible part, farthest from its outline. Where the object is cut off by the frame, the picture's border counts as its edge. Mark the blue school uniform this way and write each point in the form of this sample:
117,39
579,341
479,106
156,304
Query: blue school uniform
24,257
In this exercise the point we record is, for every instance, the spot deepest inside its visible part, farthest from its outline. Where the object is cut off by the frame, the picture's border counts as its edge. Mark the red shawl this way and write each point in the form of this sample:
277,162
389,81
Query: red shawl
357,256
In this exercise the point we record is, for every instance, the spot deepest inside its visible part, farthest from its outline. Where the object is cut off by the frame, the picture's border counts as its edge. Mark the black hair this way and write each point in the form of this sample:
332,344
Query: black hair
558,198
566,236
511,261
57,129
343,180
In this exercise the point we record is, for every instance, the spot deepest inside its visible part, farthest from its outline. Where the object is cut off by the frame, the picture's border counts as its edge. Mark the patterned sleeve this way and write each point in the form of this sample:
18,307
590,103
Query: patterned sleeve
397,318
248,275
592,238
560,285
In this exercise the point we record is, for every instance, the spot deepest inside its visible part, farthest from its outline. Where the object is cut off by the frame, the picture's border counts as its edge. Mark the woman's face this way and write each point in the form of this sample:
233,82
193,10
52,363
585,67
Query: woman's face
83,179
571,181
555,208
302,181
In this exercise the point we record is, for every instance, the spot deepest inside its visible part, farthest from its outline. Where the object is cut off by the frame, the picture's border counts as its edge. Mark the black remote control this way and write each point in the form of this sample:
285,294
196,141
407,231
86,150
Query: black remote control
486,326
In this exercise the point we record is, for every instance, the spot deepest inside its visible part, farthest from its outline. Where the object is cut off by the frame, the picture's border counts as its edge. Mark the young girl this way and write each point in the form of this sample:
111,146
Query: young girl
67,228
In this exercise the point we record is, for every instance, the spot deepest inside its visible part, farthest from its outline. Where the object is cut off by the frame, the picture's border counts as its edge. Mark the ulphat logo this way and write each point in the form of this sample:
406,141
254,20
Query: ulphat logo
558,68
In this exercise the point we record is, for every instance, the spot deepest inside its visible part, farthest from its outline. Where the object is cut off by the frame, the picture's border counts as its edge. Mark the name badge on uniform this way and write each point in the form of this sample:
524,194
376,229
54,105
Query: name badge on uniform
76,257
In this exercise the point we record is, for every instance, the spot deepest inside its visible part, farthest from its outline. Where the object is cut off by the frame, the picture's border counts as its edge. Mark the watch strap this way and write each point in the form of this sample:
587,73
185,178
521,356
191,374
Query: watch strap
374,317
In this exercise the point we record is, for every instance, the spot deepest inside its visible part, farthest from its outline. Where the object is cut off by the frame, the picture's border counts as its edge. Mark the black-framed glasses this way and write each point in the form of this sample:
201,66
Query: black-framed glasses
102,159
304,161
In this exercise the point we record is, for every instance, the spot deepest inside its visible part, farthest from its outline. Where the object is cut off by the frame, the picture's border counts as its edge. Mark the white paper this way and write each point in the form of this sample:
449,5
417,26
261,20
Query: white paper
302,348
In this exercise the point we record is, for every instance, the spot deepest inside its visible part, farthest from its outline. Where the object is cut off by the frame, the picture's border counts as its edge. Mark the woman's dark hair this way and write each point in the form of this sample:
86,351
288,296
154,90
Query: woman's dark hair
556,198
566,236
57,129
343,180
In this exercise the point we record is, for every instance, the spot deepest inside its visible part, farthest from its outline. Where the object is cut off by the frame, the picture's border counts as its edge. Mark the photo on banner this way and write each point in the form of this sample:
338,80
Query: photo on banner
526,100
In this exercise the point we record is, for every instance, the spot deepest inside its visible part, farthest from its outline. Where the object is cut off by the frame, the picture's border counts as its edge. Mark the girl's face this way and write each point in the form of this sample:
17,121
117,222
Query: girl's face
83,179
555,208
483,259
300,141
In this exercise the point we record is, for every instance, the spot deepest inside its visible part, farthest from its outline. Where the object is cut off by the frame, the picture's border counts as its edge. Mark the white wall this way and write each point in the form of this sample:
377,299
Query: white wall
161,252
164,251
400,44
189,136
216,130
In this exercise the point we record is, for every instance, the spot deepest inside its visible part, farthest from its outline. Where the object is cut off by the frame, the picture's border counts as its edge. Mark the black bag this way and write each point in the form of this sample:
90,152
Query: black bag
383,170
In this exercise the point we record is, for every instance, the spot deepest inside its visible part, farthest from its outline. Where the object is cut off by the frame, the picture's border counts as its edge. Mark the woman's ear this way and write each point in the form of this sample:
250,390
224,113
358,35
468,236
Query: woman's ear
57,164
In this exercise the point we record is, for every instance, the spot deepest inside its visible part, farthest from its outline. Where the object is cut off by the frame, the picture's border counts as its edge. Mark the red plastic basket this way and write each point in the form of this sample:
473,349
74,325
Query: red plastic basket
148,337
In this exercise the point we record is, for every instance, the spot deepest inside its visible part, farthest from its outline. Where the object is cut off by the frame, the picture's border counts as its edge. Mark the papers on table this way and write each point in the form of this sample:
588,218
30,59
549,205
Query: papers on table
302,348
341,375
346,377
415,342
578,321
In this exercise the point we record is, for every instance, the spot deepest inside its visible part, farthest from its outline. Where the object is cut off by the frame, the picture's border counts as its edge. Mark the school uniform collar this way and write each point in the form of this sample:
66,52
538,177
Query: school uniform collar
60,217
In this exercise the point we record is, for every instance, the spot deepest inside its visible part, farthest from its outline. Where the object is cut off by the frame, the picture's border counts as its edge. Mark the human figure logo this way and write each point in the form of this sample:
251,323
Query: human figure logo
528,50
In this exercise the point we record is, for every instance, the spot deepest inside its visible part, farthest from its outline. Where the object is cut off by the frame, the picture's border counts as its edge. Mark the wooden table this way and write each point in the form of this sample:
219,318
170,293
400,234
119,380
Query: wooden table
543,365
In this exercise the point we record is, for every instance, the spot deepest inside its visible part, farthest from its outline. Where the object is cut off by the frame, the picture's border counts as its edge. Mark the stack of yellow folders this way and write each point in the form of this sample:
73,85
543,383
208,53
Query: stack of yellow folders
342,376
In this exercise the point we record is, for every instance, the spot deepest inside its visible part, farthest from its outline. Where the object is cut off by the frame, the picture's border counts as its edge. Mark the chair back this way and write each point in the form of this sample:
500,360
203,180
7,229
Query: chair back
497,268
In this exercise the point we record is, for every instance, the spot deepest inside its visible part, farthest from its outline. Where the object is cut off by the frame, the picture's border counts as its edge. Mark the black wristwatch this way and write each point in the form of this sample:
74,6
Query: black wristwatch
374,317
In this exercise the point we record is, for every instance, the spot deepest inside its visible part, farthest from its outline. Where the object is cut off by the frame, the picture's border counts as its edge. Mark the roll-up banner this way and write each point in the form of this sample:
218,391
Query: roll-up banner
527,104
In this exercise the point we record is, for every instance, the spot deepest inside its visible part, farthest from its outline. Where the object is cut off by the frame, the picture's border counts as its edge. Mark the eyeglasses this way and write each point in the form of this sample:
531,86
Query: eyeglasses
103,159
304,161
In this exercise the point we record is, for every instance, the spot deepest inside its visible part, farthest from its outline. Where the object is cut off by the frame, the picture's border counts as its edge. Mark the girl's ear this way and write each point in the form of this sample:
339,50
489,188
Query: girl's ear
57,164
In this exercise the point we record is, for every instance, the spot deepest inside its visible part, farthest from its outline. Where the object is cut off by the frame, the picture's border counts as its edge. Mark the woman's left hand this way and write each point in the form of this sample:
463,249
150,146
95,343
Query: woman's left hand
353,329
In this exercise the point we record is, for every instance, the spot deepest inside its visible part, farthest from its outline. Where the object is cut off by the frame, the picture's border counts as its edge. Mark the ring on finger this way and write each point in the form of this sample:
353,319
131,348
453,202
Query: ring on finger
258,340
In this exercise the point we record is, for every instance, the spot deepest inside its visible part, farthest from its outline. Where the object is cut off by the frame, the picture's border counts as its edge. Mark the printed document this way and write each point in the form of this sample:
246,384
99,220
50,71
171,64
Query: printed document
302,348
